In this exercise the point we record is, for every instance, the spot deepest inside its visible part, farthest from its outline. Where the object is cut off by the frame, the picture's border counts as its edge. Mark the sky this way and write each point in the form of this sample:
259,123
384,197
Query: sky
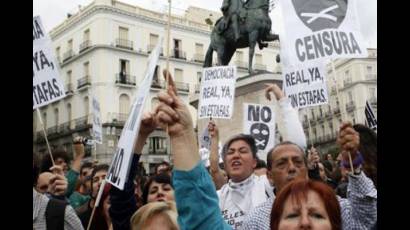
53,12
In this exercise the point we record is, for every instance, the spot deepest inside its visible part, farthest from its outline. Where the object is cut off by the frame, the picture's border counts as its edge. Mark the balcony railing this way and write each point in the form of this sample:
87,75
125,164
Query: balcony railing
81,122
178,53
85,45
259,66
199,57
241,64
181,86
124,79
65,127
69,89
83,82
151,47
119,118
67,55
52,130
350,106
123,43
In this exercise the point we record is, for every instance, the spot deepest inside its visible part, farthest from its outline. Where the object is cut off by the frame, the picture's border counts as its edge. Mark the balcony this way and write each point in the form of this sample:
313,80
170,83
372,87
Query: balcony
82,82
181,86
199,57
52,130
373,101
81,122
177,53
123,43
151,47
65,127
67,55
119,118
124,79
259,66
241,64
69,89
350,106
85,45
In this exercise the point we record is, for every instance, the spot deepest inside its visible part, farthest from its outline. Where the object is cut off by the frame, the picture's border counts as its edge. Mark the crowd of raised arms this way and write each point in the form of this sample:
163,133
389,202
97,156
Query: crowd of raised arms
295,187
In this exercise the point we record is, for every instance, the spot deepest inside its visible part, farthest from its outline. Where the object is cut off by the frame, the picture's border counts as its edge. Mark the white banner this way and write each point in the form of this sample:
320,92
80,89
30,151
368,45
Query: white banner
259,121
119,169
305,85
47,85
321,29
217,94
97,126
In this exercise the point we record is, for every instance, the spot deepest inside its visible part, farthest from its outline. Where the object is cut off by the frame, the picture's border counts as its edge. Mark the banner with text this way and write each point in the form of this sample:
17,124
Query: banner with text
259,122
47,85
119,169
321,29
216,98
305,86
370,117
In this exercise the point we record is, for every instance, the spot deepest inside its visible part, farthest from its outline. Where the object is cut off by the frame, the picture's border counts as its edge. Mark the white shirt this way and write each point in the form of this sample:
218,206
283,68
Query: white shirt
236,200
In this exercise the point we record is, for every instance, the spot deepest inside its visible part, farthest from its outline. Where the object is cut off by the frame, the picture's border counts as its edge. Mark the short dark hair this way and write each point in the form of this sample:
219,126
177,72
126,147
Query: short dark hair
86,165
270,153
46,163
260,164
244,137
97,168
162,178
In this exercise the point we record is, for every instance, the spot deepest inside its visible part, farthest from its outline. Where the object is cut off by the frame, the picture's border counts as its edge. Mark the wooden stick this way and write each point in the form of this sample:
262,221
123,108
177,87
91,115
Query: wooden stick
45,135
96,203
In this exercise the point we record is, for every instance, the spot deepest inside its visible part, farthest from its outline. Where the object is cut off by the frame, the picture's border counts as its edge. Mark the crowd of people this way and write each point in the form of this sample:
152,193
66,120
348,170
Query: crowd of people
296,187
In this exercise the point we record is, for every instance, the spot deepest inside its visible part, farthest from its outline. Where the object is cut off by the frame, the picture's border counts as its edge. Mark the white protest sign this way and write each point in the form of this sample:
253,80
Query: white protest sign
370,117
217,92
205,139
119,169
305,85
259,122
97,126
47,85
321,29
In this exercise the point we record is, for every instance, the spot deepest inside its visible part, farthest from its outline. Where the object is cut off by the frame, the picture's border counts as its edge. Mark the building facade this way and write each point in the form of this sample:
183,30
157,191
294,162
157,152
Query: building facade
103,52
356,82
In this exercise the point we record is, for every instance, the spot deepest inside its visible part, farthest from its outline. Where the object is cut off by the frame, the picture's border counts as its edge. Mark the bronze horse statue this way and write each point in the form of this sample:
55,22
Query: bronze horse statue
254,26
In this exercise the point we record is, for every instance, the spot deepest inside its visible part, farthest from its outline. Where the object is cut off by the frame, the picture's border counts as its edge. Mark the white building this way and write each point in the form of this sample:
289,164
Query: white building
103,50
356,80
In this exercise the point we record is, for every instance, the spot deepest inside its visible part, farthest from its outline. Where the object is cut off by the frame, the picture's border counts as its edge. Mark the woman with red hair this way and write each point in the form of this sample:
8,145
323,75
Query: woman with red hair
306,204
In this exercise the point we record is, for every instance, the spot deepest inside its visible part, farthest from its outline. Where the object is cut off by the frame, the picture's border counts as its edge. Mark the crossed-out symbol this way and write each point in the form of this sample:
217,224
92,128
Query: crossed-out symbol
321,14
258,142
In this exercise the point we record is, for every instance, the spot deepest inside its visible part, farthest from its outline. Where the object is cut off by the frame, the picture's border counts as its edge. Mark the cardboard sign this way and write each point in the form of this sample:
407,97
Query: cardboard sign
119,169
321,29
259,122
47,85
217,92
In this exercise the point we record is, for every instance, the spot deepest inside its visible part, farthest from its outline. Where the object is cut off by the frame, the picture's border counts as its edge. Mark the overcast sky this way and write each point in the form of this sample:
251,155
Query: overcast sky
53,12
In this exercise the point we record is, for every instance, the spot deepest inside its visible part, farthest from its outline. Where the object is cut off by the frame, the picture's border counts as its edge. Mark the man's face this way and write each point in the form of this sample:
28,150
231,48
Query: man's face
239,161
61,162
97,180
43,182
287,164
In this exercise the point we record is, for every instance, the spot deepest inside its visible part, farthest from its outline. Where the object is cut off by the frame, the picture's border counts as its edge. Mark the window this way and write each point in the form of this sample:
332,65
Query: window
56,116
177,48
86,69
58,53
153,40
124,104
199,48
178,75
157,145
124,70
86,35
199,77
70,45
123,33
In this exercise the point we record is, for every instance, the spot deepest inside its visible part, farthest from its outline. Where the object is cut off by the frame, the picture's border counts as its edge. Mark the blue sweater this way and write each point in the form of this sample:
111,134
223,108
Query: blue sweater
197,201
